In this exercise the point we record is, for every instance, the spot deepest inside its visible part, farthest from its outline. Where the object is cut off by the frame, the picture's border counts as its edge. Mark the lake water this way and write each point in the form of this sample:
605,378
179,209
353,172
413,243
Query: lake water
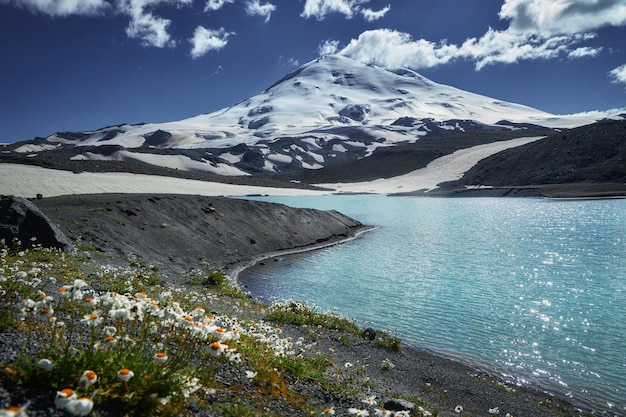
532,289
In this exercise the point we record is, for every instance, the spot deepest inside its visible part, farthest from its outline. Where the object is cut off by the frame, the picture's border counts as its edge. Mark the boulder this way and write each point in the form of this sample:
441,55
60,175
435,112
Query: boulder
397,404
22,220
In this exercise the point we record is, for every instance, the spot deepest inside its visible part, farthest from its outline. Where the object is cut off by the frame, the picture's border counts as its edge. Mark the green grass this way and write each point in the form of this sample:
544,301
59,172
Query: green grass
158,317
302,315
152,320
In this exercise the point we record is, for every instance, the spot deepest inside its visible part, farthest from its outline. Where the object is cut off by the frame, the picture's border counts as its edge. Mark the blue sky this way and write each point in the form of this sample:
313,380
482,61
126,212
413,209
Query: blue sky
74,65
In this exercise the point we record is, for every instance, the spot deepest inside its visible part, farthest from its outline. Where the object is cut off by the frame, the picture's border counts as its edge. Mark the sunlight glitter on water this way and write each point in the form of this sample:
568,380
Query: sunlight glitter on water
530,288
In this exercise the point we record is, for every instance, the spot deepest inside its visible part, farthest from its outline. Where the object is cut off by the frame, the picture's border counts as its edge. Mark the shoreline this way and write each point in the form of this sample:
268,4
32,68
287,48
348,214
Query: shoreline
419,371
234,271
449,359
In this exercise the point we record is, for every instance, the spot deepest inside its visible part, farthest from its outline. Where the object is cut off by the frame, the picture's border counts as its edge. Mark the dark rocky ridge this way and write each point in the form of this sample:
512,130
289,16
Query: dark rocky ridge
402,159
180,233
593,154
588,161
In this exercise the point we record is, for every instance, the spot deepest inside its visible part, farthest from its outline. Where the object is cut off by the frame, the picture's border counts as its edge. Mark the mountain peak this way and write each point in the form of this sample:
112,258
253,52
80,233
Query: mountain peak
329,110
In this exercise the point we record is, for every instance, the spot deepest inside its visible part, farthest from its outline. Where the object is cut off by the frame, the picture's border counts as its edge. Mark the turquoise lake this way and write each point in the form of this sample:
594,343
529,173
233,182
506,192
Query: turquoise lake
531,289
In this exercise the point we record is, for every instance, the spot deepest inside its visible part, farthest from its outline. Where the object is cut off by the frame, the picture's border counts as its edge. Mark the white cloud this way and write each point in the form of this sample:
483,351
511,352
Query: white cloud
213,5
62,8
538,29
619,74
265,10
584,51
150,29
320,8
328,47
548,17
205,40
290,62
390,48
507,47
371,15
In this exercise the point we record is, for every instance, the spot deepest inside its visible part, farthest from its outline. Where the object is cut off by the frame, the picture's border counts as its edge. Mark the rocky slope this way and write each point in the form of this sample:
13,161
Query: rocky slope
586,161
181,233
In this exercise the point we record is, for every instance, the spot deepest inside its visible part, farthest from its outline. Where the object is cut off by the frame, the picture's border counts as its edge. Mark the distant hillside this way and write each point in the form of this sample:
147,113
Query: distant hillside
589,154
402,159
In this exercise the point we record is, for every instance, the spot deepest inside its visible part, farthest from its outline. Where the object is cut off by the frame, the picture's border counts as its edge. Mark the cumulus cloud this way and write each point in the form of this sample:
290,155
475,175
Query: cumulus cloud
213,5
538,29
328,47
144,25
618,75
390,48
62,8
255,8
548,17
371,15
205,40
152,30
507,47
320,8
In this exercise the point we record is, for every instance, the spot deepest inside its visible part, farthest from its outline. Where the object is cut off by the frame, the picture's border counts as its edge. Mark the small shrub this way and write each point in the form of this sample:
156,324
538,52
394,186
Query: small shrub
302,315
214,279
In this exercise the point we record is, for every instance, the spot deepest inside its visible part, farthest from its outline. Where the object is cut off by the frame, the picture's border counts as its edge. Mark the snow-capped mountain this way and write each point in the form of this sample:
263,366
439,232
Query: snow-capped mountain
330,110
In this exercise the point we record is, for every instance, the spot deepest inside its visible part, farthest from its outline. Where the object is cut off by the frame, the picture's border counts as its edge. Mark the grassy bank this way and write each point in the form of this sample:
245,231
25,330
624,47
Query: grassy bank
83,338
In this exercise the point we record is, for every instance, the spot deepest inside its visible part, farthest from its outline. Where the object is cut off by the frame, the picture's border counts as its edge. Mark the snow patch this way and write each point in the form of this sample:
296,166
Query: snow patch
31,147
229,157
53,182
281,158
181,162
447,168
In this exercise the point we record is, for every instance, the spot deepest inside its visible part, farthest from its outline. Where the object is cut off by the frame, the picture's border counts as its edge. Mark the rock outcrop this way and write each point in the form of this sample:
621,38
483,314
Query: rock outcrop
22,222
181,233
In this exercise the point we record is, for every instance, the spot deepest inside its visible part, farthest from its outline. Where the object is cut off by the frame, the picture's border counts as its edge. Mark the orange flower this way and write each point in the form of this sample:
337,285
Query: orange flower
217,348
88,378
110,340
160,357
64,397
81,406
14,411
125,374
